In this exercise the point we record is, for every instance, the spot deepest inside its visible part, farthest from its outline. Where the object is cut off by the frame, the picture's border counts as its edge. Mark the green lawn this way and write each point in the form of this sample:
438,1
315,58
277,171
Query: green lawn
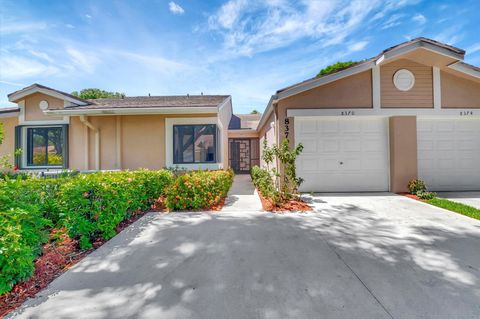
456,207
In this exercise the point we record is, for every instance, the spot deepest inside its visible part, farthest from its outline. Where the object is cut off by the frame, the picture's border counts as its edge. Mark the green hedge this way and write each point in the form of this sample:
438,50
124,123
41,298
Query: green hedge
88,205
199,189
94,204
21,234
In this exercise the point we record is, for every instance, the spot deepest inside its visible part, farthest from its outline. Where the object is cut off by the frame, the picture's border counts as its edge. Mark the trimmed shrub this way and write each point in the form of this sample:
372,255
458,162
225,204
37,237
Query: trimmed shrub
199,189
426,195
416,186
263,181
94,204
22,232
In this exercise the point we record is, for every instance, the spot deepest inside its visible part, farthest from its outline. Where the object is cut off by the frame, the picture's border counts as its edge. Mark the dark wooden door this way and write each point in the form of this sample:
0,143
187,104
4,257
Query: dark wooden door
240,155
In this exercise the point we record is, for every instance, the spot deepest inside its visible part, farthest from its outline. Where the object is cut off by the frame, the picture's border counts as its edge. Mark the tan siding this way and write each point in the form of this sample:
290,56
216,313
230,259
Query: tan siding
33,111
403,152
8,145
351,92
421,95
459,92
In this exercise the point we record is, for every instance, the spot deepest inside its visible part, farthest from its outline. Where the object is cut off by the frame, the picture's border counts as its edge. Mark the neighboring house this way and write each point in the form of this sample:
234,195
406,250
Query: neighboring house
412,111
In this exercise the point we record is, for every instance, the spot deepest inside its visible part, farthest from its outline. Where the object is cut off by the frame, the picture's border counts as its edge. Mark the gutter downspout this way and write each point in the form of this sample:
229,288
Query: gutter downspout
85,122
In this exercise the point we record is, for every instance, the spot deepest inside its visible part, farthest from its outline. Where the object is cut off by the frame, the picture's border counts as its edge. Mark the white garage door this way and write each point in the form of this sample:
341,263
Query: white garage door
449,153
343,155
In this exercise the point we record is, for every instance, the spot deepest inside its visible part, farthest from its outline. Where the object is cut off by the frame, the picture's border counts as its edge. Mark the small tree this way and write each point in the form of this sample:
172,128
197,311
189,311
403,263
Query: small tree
336,67
254,112
288,183
93,93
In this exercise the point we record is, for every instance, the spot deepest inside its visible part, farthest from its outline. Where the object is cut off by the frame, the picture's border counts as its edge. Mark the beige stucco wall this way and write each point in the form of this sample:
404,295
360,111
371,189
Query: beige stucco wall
403,152
420,96
458,92
224,116
8,145
33,111
351,92
142,141
242,134
267,132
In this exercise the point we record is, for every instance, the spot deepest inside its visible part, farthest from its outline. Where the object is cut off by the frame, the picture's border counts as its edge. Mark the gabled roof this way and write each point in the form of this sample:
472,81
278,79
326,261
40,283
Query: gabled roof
454,53
17,95
4,110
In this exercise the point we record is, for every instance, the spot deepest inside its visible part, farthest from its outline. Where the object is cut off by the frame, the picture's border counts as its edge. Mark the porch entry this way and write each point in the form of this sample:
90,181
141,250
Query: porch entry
243,154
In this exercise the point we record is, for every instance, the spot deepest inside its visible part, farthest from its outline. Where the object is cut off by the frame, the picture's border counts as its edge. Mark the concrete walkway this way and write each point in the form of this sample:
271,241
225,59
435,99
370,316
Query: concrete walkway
242,196
467,198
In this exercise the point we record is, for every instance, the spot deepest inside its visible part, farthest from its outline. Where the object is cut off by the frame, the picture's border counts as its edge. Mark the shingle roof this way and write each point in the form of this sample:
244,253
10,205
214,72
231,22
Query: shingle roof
155,101
48,88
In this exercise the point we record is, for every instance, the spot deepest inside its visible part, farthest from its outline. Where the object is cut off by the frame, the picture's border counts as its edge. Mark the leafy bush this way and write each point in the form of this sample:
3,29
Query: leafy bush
416,186
426,195
263,181
336,67
199,189
22,232
94,204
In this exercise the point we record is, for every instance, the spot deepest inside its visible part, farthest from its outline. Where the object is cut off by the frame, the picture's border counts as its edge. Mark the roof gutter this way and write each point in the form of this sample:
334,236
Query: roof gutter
133,111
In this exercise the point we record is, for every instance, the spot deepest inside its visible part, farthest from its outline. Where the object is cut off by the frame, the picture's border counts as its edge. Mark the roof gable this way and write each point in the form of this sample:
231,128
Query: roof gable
37,88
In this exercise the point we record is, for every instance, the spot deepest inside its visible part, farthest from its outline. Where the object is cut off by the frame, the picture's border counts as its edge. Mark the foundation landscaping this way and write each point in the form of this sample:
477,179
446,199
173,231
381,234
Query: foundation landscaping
418,190
279,192
48,224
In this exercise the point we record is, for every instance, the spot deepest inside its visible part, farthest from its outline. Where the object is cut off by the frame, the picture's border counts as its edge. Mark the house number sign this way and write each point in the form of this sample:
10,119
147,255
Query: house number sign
287,127
466,113
347,113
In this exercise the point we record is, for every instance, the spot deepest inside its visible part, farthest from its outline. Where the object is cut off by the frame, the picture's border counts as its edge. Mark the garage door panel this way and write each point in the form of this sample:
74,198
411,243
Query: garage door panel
449,153
351,155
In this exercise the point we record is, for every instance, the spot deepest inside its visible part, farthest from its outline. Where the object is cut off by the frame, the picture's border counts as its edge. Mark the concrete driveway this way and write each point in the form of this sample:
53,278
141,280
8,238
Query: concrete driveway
467,198
375,256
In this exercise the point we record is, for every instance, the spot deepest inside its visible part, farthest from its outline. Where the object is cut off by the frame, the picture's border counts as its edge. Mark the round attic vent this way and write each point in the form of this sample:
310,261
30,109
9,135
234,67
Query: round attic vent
403,80
43,105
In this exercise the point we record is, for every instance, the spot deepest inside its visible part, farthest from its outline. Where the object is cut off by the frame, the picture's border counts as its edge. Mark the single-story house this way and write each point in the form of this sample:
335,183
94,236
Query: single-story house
411,111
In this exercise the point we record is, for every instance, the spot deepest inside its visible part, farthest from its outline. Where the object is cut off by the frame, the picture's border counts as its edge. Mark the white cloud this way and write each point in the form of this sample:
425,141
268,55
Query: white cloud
419,18
88,16
83,61
249,27
41,55
152,62
70,26
473,49
175,8
17,67
18,27
357,46
393,21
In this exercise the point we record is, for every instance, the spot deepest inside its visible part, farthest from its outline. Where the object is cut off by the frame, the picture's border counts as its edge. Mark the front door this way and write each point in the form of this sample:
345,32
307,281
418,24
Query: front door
240,155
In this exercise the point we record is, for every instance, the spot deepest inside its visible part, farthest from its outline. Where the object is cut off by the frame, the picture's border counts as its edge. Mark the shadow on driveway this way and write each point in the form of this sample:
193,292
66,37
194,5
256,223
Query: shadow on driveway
346,260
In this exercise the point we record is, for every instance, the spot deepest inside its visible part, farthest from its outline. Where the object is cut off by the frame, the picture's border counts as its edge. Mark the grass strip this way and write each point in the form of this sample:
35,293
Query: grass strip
456,207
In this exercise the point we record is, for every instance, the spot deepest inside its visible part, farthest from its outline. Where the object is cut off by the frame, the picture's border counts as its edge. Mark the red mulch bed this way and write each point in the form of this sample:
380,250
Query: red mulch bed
290,206
60,254
159,205
415,197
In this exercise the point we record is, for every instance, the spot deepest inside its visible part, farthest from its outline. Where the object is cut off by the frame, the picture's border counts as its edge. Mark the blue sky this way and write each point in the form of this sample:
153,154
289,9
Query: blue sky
248,49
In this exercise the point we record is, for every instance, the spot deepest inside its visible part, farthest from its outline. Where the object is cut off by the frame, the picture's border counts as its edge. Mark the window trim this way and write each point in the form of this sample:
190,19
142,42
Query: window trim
23,144
175,160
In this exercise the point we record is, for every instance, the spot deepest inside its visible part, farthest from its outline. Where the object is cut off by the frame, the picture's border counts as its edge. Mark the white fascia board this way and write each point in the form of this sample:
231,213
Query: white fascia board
460,67
135,111
268,111
10,114
225,102
325,80
351,113
32,90
419,45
